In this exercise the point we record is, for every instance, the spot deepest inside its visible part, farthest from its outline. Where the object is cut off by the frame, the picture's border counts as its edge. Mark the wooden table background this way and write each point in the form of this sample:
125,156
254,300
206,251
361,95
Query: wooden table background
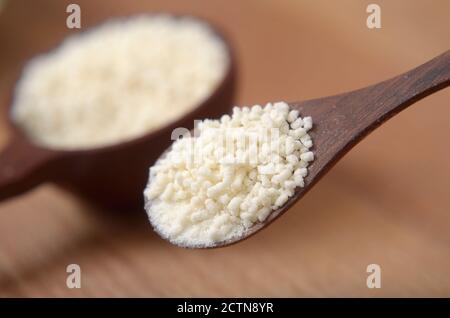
386,202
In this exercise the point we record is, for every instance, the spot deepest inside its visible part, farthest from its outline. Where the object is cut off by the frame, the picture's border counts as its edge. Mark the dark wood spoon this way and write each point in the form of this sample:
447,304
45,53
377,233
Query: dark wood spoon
341,121
110,176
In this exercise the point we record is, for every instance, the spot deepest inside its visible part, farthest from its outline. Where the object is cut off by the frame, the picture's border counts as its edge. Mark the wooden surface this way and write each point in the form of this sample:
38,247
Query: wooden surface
386,202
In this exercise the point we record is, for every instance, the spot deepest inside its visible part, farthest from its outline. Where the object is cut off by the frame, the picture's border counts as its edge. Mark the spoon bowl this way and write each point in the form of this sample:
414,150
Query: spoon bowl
111,176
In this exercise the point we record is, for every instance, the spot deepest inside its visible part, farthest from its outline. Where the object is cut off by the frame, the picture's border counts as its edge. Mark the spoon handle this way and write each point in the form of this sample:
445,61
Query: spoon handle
22,167
341,121
385,99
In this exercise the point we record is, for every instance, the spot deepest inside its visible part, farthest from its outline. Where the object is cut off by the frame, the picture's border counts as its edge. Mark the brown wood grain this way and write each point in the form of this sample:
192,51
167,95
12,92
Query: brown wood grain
386,202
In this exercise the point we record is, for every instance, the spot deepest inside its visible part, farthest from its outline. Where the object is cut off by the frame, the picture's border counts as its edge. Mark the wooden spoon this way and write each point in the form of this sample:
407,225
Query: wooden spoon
341,121
111,176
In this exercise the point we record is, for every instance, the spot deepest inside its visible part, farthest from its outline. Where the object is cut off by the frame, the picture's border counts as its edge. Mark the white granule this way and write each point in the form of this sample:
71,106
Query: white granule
118,81
213,186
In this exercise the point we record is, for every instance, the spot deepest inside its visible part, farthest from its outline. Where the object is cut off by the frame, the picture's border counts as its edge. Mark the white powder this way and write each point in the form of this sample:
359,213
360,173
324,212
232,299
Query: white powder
118,81
214,186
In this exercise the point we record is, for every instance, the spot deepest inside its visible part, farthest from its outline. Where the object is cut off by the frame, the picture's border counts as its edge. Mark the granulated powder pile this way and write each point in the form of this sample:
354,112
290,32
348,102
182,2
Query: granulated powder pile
118,81
214,186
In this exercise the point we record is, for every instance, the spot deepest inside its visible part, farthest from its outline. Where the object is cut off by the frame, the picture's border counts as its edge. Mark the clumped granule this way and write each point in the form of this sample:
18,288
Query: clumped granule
118,81
213,186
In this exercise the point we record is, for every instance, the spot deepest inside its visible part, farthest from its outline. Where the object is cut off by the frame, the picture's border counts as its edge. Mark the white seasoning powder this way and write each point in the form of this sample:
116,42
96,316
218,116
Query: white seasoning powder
213,186
118,81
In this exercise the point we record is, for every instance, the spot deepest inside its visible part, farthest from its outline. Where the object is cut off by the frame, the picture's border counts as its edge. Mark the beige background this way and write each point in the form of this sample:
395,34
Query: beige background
386,202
